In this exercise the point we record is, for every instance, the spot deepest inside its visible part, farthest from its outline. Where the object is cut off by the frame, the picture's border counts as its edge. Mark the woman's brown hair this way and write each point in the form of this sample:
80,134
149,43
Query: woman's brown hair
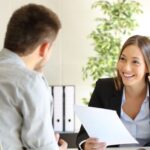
143,43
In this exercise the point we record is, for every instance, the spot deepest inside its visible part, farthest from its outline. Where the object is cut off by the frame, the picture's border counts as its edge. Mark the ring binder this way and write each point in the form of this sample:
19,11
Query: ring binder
63,116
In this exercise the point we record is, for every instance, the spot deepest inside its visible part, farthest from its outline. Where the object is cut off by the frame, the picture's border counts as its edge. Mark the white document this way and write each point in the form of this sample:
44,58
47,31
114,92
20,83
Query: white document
104,124
69,112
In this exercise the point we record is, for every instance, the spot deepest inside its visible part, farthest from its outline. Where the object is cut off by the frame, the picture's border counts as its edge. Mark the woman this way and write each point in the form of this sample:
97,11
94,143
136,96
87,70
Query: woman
128,93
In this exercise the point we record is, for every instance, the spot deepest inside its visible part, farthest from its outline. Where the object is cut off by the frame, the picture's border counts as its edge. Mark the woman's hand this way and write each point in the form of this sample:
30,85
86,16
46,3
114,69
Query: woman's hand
94,144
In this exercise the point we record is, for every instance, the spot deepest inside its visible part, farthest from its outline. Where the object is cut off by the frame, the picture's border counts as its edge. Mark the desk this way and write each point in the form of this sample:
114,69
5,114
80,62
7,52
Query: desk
122,148
70,138
129,148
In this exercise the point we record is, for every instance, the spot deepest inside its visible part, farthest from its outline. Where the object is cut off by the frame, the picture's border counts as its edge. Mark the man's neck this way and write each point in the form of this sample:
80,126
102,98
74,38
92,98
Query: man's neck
29,62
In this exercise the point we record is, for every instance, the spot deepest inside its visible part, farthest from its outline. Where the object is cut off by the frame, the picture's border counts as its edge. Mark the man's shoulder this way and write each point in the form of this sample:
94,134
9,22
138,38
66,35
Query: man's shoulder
28,76
18,75
12,67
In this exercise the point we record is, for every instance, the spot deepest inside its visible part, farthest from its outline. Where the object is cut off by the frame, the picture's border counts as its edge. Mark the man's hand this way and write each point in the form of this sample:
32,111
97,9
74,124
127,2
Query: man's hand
62,144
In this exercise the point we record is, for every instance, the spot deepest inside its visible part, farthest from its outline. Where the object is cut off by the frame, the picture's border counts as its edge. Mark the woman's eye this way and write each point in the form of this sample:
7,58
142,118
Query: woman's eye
136,62
121,58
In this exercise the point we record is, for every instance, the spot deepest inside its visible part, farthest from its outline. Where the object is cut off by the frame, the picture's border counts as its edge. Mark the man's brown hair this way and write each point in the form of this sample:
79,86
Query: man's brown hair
29,26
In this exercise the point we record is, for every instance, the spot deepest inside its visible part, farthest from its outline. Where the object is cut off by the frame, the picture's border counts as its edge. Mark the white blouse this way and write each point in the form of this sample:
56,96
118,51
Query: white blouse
140,126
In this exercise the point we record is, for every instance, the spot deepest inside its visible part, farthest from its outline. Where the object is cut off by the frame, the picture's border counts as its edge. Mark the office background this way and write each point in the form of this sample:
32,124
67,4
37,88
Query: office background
72,47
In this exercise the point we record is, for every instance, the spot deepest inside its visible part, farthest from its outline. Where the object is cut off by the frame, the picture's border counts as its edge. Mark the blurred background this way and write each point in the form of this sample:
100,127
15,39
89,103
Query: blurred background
72,48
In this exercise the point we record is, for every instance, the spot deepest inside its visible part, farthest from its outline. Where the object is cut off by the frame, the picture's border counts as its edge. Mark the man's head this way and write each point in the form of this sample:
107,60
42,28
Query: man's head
30,26
31,32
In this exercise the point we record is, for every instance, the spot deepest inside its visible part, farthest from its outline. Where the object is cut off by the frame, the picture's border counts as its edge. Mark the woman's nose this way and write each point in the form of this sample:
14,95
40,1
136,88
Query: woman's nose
127,67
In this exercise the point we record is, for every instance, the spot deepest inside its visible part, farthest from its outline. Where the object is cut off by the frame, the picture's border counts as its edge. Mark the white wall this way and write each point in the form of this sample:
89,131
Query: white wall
72,46
7,7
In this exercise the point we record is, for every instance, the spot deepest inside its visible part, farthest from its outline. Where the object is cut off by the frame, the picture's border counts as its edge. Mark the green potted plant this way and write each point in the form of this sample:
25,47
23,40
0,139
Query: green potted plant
116,23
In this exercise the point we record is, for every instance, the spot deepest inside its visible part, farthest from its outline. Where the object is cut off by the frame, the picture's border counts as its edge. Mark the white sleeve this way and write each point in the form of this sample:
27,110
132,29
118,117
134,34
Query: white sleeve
81,144
37,131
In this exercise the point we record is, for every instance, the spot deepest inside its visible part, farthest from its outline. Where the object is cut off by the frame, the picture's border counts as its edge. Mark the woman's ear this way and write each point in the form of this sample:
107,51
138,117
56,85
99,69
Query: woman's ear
44,47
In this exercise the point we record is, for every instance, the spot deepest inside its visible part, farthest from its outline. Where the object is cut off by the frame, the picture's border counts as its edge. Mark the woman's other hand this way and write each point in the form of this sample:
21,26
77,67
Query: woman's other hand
94,144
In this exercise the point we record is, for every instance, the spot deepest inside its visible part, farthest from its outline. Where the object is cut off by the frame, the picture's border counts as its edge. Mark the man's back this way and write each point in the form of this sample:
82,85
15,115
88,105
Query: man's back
22,94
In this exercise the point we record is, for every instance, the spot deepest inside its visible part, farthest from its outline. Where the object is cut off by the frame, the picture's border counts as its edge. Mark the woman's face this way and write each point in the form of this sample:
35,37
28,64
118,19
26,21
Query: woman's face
131,66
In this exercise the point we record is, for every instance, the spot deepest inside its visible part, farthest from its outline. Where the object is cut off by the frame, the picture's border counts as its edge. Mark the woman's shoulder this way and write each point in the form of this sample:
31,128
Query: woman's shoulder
106,84
106,81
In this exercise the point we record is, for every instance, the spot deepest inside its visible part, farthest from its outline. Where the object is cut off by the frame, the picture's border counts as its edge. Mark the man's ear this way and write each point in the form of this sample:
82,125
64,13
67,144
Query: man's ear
44,47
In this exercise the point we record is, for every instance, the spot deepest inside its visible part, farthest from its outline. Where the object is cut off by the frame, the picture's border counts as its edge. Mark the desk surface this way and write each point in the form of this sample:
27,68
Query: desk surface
122,148
130,148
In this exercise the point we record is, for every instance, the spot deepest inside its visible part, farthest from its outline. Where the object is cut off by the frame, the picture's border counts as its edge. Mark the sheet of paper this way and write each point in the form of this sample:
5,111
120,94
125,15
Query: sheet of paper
104,124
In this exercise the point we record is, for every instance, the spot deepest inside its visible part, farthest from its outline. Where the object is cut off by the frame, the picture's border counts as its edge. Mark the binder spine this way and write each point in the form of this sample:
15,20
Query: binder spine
69,111
63,111
58,110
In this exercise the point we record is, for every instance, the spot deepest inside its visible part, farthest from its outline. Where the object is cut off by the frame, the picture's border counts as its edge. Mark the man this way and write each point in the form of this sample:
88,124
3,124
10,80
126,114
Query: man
25,112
